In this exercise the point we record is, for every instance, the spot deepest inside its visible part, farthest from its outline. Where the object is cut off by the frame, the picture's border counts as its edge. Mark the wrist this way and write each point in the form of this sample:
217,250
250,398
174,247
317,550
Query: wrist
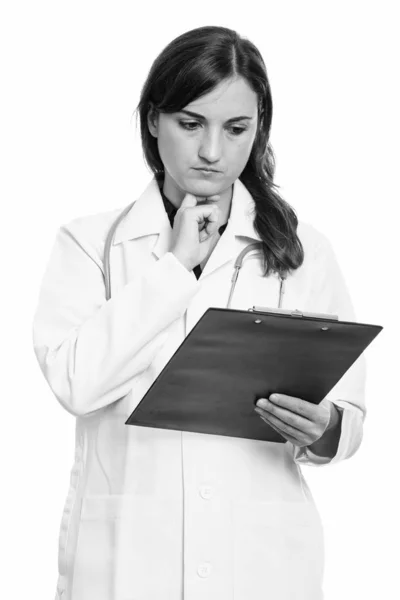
328,443
334,417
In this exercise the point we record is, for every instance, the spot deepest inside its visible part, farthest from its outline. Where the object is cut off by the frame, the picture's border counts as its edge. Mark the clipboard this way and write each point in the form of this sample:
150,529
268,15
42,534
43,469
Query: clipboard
231,358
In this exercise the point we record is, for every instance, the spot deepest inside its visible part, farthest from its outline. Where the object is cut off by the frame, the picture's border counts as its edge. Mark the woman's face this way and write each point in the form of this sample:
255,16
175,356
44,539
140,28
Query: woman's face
216,138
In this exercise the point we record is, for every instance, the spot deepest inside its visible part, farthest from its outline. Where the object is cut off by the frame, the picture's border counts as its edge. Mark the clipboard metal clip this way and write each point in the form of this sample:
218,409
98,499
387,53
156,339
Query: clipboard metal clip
292,313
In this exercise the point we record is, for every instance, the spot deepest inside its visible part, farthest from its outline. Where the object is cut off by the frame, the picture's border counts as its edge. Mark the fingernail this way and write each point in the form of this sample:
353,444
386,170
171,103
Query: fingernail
262,402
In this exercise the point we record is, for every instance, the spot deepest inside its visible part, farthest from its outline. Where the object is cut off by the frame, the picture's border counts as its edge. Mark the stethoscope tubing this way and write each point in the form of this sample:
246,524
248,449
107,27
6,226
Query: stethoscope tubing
237,265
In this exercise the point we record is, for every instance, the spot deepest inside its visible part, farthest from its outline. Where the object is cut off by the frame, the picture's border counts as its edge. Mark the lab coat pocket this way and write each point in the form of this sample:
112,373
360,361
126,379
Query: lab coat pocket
278,551
97,551
67,529
123,541
63,533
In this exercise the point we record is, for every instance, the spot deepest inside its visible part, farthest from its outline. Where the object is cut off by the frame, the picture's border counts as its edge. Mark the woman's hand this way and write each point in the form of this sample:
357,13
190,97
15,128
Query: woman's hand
300,422
195,226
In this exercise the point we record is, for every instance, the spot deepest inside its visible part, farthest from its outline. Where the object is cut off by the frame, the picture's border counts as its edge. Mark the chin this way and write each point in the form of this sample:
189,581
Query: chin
201,187
207,184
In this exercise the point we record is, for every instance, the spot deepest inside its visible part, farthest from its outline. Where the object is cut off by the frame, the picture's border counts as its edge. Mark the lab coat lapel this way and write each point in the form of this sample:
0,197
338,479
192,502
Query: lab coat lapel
148,217
238,233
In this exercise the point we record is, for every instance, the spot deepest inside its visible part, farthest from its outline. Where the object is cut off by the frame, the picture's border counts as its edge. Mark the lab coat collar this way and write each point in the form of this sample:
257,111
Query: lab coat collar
148,216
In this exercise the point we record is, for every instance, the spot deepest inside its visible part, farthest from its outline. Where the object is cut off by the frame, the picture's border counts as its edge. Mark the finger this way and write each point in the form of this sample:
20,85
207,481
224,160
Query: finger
206,233
212,226
286,416
296,405
213,198
290,433
274,427
287,437
203,236
209,212
279,418
208,221
189,201
207,229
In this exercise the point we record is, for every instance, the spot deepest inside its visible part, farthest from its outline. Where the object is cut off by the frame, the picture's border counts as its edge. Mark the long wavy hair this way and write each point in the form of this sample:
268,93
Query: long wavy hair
191,66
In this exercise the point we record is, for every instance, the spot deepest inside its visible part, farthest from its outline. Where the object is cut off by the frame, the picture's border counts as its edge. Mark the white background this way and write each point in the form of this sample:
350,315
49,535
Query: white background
71,76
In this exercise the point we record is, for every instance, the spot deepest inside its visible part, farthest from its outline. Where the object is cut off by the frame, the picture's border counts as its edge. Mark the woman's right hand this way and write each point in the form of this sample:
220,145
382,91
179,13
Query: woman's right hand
194,230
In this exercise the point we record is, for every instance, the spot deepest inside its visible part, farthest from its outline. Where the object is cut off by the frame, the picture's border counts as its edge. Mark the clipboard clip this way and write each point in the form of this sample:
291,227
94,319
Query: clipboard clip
292,313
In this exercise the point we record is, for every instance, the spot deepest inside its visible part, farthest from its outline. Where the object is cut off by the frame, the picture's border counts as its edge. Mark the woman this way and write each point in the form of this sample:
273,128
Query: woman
154,513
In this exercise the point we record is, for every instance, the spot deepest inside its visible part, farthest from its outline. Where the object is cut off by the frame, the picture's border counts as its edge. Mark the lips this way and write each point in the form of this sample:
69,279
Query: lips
208,170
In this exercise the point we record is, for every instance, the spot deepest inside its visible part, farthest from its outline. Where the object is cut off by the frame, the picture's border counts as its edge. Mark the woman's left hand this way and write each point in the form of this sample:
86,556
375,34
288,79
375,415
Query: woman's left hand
300,422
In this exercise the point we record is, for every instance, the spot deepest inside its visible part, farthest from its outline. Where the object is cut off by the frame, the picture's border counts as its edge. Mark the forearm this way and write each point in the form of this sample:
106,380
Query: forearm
328,443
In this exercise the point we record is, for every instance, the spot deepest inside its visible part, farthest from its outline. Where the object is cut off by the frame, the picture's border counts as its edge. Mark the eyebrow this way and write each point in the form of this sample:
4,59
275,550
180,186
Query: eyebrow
198,116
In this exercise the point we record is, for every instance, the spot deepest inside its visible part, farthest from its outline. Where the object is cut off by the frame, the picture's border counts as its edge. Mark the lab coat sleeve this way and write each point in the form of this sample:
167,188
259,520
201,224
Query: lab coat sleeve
90,349
330,295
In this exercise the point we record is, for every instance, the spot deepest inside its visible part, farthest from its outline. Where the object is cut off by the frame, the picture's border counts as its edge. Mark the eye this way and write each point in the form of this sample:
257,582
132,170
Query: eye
192,126
187,124
237,130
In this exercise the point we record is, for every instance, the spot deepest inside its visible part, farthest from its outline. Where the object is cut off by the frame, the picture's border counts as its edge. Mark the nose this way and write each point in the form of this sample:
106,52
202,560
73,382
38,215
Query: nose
210,147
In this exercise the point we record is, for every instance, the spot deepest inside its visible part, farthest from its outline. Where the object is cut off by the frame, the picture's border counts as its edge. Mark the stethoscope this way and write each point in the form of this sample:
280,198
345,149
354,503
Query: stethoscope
237,265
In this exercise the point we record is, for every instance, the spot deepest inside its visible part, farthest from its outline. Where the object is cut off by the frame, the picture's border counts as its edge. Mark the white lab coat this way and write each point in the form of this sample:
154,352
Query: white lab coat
158,514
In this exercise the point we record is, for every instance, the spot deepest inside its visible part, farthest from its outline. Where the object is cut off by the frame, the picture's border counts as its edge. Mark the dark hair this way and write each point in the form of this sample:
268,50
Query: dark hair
189,67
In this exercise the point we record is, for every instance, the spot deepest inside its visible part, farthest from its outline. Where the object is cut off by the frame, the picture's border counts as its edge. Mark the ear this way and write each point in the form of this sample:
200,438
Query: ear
152,121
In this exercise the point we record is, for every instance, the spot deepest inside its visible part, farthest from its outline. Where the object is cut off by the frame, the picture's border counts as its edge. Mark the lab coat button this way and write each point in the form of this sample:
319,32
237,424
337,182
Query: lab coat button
206,492
204,570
